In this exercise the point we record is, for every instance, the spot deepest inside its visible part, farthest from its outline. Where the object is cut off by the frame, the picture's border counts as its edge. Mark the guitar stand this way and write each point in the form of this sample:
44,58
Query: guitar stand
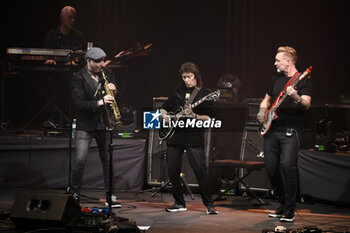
184,183
250,167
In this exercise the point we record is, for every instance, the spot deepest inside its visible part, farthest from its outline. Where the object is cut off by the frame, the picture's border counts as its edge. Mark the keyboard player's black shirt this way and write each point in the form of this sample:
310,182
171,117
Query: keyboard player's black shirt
56,40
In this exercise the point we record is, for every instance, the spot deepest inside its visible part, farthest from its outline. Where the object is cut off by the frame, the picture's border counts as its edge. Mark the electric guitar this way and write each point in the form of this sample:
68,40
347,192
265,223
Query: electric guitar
271,114
167,133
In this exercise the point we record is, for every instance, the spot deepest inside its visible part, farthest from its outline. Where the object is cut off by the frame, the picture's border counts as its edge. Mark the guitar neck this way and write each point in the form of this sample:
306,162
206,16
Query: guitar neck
197,103
297,81
179,114
280,101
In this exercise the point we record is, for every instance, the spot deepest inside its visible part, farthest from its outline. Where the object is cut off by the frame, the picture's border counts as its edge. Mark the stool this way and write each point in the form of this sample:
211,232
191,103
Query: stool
250,166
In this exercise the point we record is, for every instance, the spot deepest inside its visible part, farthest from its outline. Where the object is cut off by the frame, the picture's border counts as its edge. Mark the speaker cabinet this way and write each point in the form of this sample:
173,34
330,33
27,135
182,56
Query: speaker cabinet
38,210
252,150
157,171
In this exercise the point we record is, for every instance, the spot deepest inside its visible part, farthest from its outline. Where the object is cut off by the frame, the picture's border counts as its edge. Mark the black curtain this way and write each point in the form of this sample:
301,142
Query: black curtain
229,36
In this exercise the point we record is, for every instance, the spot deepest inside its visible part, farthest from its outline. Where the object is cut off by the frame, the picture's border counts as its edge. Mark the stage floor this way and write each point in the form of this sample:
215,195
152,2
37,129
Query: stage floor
236,214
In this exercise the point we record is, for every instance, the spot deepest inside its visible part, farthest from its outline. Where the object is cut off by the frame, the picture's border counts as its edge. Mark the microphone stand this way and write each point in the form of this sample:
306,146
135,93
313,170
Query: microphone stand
109,129
68,189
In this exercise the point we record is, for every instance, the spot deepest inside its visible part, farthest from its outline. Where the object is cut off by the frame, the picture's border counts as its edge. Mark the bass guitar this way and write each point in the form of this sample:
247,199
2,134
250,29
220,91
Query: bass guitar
166,133
271,114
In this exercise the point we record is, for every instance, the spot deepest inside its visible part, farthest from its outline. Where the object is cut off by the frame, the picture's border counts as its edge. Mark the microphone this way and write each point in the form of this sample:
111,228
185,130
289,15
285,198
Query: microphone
101,82
98,88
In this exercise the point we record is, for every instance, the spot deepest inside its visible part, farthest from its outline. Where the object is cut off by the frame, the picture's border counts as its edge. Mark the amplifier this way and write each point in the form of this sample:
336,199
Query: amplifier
252,150
157,172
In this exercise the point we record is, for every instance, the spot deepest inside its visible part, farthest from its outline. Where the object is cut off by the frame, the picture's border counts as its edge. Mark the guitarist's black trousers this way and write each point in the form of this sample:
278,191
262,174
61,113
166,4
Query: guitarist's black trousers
197,162
281,153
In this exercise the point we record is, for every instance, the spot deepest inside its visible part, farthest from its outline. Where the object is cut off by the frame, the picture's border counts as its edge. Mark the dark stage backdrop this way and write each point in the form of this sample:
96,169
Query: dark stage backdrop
226,36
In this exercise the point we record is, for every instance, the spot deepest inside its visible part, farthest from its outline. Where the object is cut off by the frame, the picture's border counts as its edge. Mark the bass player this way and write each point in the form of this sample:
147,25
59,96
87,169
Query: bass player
281,142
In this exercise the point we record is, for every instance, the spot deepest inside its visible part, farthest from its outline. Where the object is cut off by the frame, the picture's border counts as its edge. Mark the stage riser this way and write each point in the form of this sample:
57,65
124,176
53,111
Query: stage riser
44,163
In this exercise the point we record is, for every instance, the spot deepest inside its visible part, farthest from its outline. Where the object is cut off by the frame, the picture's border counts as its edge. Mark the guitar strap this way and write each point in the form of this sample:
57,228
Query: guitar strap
193,95
291,81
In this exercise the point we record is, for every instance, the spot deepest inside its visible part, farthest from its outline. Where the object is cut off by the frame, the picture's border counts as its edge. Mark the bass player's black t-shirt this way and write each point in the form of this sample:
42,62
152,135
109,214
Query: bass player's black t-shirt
290,114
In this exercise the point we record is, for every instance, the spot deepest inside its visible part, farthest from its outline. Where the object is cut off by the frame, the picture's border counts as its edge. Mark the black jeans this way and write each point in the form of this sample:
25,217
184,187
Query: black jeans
83,141
281,155
197,162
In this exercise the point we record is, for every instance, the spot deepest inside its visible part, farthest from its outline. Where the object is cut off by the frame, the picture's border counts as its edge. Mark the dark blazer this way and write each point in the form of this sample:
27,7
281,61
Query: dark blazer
89,116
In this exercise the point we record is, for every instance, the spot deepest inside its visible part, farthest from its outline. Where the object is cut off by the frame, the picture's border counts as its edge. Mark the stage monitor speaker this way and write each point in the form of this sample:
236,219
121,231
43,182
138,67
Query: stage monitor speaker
252,150
157,172
40,210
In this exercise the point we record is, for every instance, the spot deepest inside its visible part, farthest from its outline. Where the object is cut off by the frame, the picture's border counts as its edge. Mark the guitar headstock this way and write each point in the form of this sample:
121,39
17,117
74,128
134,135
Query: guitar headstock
214,96
308,70
306,73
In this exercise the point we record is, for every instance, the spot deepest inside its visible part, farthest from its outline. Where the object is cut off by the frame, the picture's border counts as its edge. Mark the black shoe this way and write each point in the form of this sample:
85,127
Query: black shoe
176,208
212,210
277,213
288,216
114,202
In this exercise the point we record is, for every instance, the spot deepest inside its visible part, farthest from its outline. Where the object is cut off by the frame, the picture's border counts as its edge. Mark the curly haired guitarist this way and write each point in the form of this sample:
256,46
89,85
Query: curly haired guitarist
189,139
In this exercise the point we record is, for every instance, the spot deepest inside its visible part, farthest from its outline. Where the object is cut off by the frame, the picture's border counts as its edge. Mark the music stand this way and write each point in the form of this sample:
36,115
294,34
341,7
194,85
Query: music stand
109,129
110,150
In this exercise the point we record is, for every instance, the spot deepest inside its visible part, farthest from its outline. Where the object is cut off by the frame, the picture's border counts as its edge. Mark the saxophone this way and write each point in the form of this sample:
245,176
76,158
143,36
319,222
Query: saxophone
113,106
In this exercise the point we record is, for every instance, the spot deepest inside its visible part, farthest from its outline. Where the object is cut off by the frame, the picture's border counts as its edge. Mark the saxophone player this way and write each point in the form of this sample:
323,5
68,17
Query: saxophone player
90,112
